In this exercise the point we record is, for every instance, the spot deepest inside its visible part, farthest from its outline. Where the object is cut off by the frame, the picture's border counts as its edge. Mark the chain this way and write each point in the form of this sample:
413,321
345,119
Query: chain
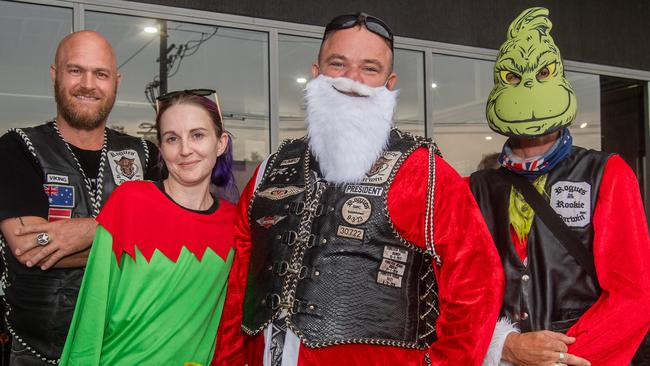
95,197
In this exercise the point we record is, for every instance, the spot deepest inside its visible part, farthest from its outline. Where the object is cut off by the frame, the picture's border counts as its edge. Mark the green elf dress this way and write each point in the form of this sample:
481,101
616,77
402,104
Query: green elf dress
155,282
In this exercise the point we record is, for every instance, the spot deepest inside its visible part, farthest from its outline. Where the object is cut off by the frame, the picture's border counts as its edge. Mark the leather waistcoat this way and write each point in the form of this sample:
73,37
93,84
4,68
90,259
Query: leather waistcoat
40,304
553,290
329,258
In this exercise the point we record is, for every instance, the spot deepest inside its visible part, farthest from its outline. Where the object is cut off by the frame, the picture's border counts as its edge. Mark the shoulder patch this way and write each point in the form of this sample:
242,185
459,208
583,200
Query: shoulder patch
572,201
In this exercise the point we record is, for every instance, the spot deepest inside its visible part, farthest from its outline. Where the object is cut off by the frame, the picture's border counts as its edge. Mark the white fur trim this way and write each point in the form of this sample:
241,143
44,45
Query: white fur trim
347,134
503,328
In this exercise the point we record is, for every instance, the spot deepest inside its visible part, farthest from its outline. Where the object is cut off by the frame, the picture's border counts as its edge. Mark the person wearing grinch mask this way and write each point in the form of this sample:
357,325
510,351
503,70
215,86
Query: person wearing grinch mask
568,222
351,243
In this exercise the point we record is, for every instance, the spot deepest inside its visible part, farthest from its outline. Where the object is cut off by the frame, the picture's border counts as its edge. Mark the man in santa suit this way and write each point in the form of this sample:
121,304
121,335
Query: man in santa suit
576,263
358,244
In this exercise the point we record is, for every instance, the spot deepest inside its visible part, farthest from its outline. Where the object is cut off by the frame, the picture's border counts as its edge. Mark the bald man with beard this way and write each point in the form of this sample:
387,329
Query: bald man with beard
58,176
352,245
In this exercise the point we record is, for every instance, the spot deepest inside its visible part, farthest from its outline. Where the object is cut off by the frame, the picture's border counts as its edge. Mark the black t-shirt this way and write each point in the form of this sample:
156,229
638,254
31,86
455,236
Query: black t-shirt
21,177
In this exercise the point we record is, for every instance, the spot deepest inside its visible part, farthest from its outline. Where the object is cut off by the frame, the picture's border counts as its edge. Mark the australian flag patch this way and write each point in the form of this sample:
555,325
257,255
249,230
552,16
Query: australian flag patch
59,195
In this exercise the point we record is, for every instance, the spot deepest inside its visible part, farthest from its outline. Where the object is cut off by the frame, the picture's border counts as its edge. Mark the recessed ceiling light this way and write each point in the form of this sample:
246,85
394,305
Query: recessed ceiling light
151,30
301,80
583,125
488,137
434,85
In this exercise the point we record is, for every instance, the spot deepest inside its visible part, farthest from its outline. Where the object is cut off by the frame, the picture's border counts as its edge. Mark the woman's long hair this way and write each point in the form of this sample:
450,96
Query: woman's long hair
221,175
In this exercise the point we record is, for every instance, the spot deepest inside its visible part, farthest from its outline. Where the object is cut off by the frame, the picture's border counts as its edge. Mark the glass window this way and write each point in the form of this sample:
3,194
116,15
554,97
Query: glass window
296,57
460,91
409,67
232,61
29,35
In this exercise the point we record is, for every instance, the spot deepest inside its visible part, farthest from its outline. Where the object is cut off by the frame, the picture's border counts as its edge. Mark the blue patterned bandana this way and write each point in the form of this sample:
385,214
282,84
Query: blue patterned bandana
536,166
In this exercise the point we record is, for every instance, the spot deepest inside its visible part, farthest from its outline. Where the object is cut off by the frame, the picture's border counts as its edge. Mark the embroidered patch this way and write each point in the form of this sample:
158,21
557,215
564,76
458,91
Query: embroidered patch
278,193
396,254
59,195
356,210
289,161
349,232
380,171
572,201
365,190
55,178
268,221
389,279
282,175
56,214
125,166
391,266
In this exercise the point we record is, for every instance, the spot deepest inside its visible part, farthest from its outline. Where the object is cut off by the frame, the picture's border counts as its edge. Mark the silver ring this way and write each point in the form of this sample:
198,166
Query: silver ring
42,239
561,356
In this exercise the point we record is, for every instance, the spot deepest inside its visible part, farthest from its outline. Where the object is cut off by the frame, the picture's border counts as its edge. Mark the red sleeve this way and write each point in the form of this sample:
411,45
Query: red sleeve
612,329
470,279
230,339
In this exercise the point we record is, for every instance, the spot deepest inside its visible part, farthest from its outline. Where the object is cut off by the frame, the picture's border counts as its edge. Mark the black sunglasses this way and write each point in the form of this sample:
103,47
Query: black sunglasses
373,24
198,92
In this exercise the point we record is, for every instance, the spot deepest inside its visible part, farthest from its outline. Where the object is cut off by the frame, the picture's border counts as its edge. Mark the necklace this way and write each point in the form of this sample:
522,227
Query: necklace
96,196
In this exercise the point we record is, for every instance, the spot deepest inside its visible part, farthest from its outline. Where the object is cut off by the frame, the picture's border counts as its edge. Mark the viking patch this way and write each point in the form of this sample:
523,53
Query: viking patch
59,195
278,193
125,166
380,171
356,210
572,201
55,178
268,221
349,232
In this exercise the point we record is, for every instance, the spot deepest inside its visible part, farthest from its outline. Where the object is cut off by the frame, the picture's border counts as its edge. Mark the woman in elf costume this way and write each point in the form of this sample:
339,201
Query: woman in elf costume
155,283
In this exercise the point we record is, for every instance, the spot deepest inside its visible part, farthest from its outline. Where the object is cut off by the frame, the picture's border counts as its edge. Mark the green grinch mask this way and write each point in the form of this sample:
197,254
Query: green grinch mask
531,97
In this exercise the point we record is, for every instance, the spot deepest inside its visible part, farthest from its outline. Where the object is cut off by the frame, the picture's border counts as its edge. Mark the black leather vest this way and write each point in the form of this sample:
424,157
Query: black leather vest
329,259
553,290
40,304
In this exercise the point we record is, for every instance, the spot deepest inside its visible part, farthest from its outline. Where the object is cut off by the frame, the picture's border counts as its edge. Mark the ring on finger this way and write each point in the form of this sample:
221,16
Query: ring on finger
42,239
561,357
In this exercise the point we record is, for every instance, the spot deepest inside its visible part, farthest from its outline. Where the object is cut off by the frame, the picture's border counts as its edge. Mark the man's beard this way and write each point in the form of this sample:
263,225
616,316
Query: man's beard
347,134
82,118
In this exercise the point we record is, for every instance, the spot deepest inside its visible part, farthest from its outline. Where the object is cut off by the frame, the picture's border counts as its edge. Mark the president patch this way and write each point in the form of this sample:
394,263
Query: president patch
363,189
572,201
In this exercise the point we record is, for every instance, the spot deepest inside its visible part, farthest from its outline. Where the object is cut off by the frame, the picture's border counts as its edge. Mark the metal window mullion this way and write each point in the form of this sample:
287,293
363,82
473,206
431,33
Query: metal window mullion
274,90
78,17
428,94
646,161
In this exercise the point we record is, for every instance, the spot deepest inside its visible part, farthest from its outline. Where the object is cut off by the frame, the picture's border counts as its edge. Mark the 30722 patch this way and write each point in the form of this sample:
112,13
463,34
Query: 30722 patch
572,201
380,171
278,193
59,195
350,232
125,165
356,210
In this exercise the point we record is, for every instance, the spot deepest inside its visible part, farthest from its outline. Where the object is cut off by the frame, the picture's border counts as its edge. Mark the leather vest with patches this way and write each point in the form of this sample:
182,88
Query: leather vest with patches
328,260
553,290
40,304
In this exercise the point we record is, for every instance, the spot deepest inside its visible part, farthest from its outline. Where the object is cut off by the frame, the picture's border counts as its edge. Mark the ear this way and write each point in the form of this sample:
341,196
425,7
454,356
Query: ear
222,143
315,70
119,79
391,82
52,72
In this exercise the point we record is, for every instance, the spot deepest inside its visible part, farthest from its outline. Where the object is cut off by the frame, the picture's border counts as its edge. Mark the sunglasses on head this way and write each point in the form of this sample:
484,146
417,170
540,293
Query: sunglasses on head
198,92
372,23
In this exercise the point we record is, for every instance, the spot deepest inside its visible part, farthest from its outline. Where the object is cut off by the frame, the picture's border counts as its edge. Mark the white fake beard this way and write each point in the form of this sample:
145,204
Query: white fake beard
347,134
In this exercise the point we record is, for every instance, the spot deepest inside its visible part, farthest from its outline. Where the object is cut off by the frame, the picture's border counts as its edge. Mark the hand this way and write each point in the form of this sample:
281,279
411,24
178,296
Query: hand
540,348
67,237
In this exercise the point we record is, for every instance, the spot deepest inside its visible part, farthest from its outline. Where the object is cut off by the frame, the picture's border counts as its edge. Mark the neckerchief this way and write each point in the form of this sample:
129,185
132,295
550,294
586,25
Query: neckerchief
534,167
